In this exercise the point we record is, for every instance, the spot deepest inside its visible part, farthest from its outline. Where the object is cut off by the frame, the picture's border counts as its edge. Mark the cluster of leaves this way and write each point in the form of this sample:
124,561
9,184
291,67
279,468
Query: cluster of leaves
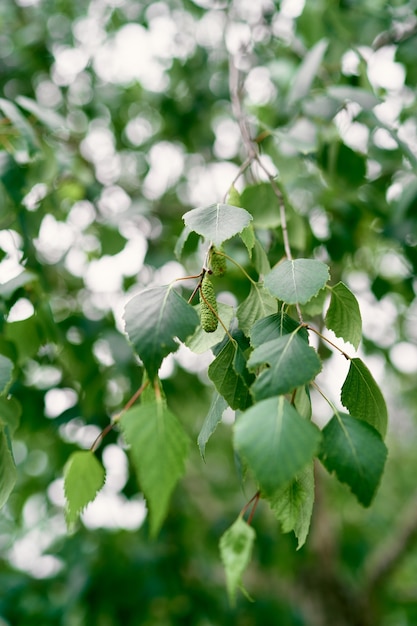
263,369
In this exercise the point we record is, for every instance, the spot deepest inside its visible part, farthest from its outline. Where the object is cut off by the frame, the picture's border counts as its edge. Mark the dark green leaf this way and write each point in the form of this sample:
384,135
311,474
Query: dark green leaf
276,442
159,447
292,363
154,319
226,373
213,417
274,327
343,316
363,398
235,551
355,451
217,222
83,477
297,281
258,304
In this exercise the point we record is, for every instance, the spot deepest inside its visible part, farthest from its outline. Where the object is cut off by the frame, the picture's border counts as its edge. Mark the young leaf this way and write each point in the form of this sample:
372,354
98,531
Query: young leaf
201,341
260,259
154,318
307,72
293,504
226,373
257,305
159,447
235,550
217,222
343,316
83,477
355,451
6,372
297,281
292,363
363,398
276,442
8,472
248,237
213,417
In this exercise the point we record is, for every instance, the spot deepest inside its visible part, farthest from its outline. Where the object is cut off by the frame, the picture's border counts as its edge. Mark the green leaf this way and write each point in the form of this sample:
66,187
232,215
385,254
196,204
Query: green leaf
21,280
159,447
275,326
343,316
154,318
48,117
21,124
8,472
248,237
84,476
10,412
276,442
307,72
293,504
297,281
201,341
6,373
292,363
262,203
181,241
227,374
260,259
366,99
315,306
213,417
354,450
363,398
217,222
235,550
258,304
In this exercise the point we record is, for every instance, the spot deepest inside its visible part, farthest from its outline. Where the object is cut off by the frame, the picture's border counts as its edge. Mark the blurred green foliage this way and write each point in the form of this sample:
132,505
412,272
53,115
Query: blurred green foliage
102,150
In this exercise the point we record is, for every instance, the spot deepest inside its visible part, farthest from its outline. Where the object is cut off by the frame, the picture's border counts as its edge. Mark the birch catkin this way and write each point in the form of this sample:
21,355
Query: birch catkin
208,316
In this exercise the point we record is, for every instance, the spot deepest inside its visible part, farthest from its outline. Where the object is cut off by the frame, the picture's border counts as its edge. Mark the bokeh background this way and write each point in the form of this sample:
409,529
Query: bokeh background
115,119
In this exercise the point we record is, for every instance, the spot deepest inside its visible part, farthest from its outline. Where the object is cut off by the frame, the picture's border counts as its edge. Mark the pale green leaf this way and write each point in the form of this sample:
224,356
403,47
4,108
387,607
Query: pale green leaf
302,402
315,306
354,450
6,373
154,319
276,442
248,237
50,118
233,197
307,72
262,203
21,124
363,398
213,417
201,341
235,550
293,504
8,472
258,304
292,363
181,241
228,375
83,477
260,259
159,447
366,99
297,281
343,316
217,222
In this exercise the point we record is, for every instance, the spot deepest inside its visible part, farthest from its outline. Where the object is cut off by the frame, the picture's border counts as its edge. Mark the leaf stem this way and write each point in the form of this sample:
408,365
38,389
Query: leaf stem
238,265
254,501
323,338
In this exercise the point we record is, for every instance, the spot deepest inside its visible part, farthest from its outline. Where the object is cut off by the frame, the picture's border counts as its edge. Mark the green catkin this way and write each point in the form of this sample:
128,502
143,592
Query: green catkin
217,262
208,319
